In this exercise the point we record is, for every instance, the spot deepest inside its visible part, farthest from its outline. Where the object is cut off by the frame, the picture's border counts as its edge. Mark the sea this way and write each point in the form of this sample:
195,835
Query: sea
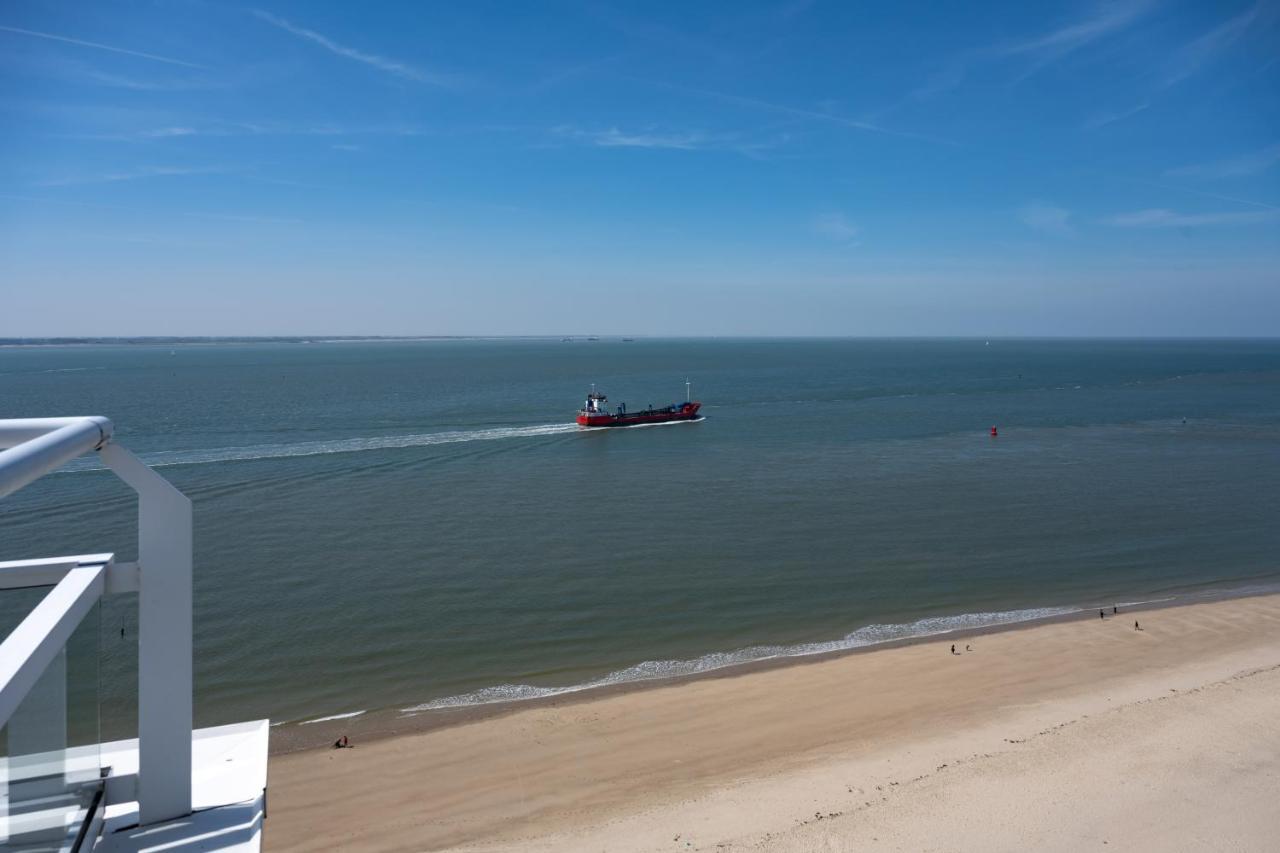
419,524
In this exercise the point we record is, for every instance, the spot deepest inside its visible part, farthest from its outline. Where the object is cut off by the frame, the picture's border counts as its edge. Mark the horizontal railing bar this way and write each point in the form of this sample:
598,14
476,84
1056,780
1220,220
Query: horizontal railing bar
32,452
29,649
15,431
46,571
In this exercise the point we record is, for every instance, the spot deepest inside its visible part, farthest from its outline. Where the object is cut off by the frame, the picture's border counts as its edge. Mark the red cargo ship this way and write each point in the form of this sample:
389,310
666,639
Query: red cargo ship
596,413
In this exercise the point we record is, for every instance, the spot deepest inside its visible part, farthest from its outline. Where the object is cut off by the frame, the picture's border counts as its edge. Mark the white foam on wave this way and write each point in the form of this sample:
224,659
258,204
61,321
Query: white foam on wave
869,635
346,716
339,445
1145,601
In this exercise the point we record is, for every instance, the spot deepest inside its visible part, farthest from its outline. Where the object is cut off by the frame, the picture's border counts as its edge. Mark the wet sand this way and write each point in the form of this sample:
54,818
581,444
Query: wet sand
1085,727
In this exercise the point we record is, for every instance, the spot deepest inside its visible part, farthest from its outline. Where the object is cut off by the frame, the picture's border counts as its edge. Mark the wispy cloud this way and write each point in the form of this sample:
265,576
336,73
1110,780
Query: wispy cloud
78,70
1162,218
835,226
1055,45
796,112
120,81
572,72
132,175
195,214
1191,58
266,128
615,138
942,81
1046,218
1203,194
97,46
1234,167
660,37
1102,120
1042,49
391,66
168,132
754,146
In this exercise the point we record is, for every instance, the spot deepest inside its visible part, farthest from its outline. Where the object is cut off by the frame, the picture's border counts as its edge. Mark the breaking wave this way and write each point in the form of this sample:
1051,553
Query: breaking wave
869,635
345,716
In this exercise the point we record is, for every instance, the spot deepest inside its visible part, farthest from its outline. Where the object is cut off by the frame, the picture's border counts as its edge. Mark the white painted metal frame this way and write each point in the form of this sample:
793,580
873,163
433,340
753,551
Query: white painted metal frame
36,641
162,577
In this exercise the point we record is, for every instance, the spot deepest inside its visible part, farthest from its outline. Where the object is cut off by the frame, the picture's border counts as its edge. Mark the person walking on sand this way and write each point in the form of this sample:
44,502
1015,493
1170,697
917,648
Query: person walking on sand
953,648
1135,625
1101,615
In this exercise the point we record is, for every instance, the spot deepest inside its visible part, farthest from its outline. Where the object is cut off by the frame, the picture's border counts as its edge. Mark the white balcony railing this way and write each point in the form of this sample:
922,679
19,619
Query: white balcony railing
159,778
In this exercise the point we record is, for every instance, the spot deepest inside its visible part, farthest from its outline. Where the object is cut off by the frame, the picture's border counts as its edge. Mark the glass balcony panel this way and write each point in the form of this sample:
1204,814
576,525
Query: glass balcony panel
50,766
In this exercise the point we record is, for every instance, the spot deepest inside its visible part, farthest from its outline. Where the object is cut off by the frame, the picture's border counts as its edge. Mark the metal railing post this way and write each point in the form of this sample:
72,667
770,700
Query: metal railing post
164,639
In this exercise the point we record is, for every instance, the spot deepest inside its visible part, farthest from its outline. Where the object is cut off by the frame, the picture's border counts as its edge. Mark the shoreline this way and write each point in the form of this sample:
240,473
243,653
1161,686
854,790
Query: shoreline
376,724
1032,729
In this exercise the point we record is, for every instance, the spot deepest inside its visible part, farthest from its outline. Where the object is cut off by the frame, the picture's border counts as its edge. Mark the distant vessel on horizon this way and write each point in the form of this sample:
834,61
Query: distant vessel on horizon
595,412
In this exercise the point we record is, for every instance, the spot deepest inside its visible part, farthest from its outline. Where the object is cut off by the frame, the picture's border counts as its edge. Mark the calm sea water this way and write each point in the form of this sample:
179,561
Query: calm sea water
406,524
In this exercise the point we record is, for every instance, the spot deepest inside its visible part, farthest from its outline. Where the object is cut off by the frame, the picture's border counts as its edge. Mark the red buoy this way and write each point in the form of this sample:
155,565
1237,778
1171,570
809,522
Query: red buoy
993,432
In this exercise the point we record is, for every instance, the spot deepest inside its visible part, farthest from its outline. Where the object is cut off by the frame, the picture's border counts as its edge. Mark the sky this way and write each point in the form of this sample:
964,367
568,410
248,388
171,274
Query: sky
190,167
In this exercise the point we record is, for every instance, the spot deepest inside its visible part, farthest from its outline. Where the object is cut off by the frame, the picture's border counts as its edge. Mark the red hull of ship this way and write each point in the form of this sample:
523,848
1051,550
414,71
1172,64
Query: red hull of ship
683,412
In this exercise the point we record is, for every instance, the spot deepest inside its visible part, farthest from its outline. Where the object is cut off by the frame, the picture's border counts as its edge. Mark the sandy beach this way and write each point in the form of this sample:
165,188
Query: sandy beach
1079,734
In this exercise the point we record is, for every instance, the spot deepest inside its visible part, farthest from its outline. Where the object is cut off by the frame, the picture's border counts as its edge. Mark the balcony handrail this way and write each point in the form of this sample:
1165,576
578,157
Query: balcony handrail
36,446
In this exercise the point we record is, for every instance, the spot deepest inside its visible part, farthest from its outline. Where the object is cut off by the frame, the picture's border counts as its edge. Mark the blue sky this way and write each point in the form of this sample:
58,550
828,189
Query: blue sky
789,168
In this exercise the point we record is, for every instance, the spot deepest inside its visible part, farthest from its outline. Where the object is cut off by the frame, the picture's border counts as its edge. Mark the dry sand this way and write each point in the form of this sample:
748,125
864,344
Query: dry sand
1066,736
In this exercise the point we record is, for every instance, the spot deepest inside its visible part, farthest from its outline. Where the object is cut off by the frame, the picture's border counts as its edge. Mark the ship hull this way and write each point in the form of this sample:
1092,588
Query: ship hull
682,412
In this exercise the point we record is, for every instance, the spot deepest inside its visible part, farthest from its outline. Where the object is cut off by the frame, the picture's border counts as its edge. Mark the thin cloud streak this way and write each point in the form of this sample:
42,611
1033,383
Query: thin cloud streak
1047,218
1100,121
258,129
97,46
836,226
1235,167
1045,49
1203,194
798,112
1163,218
614,138
1060,42
1204,49
136,174
391,66
195,214
692,140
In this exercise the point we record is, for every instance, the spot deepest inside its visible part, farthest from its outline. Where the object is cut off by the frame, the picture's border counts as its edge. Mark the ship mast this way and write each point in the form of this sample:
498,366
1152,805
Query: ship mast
688,391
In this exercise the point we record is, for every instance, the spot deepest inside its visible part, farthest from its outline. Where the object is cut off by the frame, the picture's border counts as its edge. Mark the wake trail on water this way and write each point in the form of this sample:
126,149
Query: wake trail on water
338,445
351,445
869,635
163,458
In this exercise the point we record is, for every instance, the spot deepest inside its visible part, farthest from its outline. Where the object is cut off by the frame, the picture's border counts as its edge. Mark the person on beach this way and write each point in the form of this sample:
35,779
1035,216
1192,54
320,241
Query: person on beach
953,648
966,648
341,743
1113,611
1135,625
1101,615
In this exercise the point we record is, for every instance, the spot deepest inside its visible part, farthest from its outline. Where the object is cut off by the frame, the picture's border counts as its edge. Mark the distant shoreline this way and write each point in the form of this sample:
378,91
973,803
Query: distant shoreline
282,339
198,340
